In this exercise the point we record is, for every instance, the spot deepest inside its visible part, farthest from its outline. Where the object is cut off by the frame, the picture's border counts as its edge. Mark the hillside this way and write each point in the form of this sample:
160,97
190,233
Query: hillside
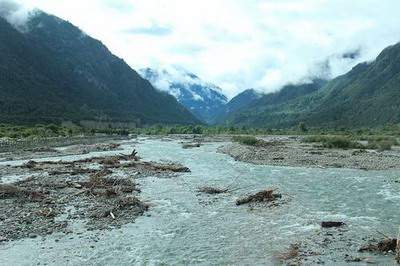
367,96
53,72
273,109
202,98
240,101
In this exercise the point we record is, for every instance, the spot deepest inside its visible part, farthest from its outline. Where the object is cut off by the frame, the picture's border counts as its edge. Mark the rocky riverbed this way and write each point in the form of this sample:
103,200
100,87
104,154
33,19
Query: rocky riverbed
99,191
291,151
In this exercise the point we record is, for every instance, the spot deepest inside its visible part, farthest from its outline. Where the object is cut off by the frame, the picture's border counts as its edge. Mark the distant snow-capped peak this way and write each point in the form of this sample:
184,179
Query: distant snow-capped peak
203,98
175,79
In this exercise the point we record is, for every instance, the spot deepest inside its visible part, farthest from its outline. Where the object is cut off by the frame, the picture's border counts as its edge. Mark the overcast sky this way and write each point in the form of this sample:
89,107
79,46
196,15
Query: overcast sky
238,44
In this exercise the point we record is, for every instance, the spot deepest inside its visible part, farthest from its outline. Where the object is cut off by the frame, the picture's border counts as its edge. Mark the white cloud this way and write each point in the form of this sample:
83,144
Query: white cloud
237,44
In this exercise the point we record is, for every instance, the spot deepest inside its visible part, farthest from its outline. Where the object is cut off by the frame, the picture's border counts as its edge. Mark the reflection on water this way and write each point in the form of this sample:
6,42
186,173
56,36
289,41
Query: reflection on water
185,227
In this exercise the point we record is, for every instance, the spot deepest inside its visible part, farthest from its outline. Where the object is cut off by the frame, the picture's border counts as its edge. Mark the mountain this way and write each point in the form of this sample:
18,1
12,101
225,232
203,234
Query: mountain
367,96
270,110
203,99
52,72
240,101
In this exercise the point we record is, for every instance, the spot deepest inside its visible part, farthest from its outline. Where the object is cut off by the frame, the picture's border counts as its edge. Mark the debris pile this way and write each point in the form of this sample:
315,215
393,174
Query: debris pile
267,195
100,191
384,246
292,253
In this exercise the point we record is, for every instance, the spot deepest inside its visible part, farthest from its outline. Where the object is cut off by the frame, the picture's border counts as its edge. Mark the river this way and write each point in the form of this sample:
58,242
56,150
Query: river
184,227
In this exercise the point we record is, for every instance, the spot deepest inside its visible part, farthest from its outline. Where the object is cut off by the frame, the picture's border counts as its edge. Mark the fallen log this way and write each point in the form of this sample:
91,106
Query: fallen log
212,190
331,224
191,145
176,168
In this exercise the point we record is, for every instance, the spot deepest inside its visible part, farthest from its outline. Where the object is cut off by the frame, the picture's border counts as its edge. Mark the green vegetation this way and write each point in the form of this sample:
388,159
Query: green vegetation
246,140
378,139
303,127
383,145
340,142
52,130
377,142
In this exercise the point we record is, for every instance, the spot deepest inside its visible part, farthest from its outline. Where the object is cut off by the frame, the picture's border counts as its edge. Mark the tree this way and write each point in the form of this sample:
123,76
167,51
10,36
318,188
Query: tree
303,127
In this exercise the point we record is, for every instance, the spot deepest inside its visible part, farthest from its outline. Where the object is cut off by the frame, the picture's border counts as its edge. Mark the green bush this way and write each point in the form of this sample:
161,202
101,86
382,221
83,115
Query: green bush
246,140
383,145
331,142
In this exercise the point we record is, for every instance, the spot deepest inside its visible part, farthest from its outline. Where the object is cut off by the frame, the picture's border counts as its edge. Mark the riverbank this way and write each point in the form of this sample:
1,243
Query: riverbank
291,151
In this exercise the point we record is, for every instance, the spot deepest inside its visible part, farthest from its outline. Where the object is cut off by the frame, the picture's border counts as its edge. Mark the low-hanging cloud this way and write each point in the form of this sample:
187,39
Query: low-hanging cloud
261,44
15,13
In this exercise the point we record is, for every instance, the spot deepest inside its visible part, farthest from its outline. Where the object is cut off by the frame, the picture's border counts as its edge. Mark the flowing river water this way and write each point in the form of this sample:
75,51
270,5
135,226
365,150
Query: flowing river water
184,227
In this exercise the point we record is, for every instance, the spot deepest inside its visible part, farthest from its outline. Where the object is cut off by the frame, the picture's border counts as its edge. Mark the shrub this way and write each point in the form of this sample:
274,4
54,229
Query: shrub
315,138
303,127
340,142
246,140
383,145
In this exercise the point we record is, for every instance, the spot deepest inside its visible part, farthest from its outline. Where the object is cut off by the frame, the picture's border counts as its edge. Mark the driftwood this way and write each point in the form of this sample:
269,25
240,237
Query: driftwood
292,253
386,245
30,164
191,145
176,168
212,190
134,155
73,172
262,196
12,191
398,248
331,224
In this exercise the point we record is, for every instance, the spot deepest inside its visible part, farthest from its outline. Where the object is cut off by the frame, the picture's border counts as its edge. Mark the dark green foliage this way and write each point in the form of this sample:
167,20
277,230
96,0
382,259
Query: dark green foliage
53,72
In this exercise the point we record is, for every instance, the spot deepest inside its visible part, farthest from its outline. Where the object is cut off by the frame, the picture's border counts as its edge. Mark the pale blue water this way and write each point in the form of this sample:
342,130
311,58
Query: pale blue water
184,227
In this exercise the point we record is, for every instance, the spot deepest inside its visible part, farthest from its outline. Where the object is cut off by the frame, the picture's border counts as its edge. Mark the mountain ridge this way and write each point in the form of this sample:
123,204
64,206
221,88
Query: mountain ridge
367,96
53,72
